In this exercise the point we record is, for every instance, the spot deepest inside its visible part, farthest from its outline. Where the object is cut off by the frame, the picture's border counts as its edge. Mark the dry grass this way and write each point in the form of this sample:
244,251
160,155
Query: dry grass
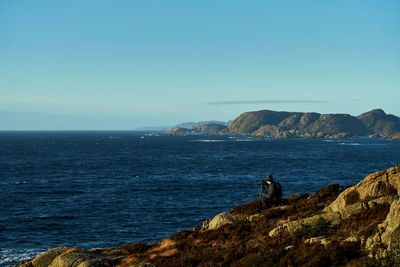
247,243
363,224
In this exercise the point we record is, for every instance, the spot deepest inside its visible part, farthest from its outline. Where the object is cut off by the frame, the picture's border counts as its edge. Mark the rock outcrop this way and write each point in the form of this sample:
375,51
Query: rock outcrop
376,190
45,259
71,257
219,220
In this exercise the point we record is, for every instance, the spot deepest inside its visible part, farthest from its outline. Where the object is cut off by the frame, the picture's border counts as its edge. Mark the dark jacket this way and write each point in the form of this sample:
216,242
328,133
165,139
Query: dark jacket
274,192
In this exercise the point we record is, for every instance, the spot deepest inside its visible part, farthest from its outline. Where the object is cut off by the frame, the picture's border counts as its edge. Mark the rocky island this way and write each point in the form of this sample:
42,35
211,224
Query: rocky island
356,226
282,124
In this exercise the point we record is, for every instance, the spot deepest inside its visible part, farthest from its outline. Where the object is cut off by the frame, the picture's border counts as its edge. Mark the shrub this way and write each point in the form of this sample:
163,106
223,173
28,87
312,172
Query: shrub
352,197
364,223
320,227
251,260
250,208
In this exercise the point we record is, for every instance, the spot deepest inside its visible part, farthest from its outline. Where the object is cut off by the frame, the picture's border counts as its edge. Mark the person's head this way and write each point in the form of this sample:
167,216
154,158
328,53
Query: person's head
270,179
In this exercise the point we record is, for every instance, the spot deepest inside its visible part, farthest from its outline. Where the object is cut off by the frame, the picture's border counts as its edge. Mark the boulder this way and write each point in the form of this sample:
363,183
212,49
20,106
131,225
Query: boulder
293,226
352,239
318,240
382,184
44,259
72,260
389,233
218,221
82,260
69,257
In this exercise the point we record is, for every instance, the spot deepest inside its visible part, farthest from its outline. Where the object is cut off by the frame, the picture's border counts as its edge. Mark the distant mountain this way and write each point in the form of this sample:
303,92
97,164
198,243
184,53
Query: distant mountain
192,125
154,128
282,124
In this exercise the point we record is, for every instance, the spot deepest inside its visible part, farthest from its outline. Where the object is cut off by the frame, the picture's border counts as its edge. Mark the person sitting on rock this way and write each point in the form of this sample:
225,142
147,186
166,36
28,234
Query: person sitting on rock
274,195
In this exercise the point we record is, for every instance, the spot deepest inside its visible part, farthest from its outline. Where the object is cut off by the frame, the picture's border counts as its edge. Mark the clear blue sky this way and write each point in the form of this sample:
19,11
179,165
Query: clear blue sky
128,64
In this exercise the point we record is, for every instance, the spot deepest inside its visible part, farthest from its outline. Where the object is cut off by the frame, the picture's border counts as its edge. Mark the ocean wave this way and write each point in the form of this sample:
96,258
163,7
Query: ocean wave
231,139
21,182
350,144
209,140
9,257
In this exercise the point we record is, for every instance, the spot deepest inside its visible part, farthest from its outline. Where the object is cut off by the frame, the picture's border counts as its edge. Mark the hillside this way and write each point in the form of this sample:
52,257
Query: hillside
267,123
207,128
282,124
358,226
379,123
193,125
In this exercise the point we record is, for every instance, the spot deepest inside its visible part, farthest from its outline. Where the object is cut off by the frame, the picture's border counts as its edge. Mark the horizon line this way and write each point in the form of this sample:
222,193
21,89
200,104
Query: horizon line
272,101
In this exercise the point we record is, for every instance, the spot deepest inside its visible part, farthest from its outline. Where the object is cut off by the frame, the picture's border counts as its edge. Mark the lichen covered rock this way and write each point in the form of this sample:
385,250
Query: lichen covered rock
375,190
218,221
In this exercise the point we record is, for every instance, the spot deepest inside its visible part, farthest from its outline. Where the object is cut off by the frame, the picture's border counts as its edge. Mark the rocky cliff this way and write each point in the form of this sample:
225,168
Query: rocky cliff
395,136
358,226
379,123
282,124
267,123
210,128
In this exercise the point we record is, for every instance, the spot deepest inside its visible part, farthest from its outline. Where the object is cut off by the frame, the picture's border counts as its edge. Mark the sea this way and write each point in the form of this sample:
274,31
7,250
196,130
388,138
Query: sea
97,189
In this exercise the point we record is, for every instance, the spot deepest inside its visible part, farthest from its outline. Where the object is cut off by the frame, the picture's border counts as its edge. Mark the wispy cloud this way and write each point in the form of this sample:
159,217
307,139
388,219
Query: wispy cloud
273,101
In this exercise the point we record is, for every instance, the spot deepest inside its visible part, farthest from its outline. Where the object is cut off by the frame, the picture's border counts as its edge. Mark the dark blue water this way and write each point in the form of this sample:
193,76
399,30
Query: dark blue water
102,189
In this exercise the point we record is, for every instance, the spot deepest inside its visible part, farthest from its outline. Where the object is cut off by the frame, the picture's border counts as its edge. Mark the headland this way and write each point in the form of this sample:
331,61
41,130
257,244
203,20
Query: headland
283,124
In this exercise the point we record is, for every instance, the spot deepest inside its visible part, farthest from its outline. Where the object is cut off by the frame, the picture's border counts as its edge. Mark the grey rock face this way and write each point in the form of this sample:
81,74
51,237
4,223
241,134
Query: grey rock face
210,128
44,259
378,122
377,188
218,221
68,257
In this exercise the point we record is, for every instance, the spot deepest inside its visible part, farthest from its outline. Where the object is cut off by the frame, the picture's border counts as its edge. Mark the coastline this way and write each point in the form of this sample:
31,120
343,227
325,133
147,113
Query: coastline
332,226
283,124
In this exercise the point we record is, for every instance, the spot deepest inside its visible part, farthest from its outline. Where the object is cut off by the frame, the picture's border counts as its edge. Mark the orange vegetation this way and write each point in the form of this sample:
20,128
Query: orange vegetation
247,243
